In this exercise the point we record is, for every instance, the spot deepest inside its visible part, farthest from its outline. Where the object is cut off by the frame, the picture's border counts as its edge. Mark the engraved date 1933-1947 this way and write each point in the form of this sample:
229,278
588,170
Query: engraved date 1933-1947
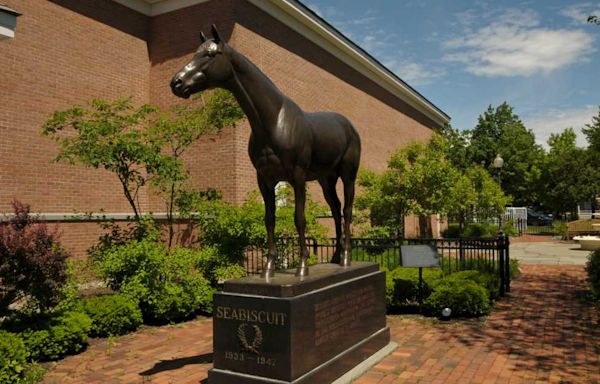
241,356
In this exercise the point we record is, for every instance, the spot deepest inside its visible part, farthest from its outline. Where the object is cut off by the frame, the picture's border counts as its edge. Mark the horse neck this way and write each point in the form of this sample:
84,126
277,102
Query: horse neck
257,95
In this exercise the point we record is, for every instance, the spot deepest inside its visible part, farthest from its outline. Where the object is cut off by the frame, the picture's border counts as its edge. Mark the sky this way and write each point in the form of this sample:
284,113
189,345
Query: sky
540,56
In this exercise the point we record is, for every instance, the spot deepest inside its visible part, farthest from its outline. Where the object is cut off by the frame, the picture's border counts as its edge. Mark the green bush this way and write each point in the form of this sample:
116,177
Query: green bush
489,281
559,228
214,266
593,270
169,285
232,228
514,268
402,285
228,272
465,298
477,230
13,357
52,336
112,315
452,232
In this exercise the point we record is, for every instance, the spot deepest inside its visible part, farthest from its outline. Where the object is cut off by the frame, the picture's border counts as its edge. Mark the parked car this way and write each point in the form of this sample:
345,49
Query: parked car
538,218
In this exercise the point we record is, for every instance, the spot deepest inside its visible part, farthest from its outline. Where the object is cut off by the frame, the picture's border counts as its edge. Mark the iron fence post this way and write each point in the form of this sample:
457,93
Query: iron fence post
507,262
500,248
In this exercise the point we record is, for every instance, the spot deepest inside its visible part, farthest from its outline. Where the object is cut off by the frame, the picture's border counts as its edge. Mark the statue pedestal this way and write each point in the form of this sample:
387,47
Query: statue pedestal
289,330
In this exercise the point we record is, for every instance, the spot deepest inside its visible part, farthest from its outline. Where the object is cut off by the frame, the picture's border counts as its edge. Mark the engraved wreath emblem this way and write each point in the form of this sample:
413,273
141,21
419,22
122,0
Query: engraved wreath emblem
258,338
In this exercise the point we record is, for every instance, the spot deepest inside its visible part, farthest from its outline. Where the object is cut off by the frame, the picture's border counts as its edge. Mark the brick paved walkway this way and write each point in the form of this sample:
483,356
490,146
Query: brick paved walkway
544,333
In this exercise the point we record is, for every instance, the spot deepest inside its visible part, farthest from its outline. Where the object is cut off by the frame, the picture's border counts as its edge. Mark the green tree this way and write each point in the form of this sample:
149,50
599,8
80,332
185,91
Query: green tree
500,131
174,132
110,136
561,173
418,181
457,150
476,195
141,146
591,172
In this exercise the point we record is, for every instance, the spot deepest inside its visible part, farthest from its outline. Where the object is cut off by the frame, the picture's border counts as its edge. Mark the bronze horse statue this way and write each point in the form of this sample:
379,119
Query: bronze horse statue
286,144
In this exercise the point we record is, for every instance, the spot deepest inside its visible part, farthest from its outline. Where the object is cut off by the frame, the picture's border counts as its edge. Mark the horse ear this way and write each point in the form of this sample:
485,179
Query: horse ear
215,34
202,37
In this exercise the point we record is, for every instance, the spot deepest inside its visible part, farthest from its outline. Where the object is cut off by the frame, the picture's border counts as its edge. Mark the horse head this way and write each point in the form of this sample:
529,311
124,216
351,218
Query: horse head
209,68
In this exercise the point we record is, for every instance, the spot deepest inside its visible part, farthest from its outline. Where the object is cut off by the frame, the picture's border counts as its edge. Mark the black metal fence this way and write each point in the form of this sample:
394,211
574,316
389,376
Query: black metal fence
484,254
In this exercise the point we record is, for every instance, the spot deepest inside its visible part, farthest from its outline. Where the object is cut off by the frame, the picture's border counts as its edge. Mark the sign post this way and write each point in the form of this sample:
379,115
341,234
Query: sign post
420,256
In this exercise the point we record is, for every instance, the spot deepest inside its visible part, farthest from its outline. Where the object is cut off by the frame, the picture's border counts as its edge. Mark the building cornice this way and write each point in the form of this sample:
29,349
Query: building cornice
305,22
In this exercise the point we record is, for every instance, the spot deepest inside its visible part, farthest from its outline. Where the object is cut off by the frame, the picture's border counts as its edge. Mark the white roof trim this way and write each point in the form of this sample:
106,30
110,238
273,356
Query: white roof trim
158,7
292,14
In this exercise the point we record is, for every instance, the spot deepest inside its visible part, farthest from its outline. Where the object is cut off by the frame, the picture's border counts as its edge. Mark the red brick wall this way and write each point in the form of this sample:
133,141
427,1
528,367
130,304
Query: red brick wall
61,57
69,51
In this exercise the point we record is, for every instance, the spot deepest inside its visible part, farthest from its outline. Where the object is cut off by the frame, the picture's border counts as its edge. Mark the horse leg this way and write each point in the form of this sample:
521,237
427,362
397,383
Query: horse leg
348,177
268,193
328,185
300,220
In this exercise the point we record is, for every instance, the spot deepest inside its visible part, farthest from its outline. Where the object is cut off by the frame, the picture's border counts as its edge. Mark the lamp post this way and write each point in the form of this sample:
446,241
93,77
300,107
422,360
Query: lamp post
498,163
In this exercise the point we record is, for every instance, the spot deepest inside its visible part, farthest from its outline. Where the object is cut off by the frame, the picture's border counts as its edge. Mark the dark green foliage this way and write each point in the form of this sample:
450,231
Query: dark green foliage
466,298
489,281
52,336
33,265
168,284
402,285
215,266
112,315
514,268
478,230
593,271
500,131
13,357
231,229
452,232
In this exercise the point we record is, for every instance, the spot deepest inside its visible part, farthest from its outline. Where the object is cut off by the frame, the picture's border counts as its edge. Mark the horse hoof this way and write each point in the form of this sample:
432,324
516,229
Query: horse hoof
267,273
302,271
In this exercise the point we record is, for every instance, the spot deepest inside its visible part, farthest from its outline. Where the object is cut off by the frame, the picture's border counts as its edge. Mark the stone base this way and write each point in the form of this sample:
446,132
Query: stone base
293,330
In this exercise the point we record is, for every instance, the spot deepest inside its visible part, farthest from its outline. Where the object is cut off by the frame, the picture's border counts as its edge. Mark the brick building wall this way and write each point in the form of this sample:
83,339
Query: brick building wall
67,52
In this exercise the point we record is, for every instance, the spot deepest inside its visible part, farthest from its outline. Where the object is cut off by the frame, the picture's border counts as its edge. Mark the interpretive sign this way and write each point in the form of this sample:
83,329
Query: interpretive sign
420,256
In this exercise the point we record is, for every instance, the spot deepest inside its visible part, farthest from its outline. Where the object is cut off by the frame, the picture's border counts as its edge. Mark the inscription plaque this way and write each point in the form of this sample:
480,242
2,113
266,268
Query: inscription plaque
420,256
311,337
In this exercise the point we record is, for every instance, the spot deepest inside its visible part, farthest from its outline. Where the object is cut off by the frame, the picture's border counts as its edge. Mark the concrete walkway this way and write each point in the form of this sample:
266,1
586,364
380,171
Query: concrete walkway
552,253
543,332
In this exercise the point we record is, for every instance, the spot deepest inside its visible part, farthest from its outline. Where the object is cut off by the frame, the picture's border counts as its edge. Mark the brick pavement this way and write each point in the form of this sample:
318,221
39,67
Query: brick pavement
545,332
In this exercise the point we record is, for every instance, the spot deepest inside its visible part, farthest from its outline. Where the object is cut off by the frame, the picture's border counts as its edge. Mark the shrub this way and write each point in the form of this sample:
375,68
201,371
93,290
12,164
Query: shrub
232,228
514,268
13,357
402,285
228,272
452,232
168,285
216,267
559,228
465,298
489,281
33,265
112,315
480,230
593,270
54,335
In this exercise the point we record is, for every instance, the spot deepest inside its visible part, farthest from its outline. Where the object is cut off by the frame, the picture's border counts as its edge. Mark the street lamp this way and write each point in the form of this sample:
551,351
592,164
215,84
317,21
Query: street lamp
498,164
